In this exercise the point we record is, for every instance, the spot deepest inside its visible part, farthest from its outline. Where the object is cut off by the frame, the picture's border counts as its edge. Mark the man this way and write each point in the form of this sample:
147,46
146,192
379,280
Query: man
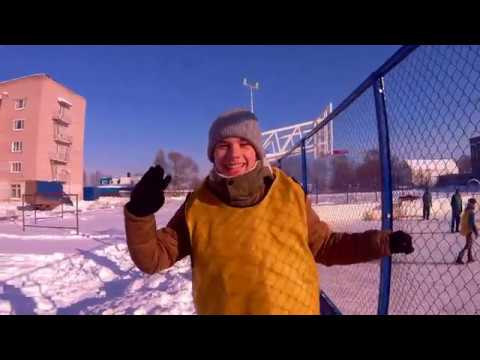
467,229
456,204
427,204
251,232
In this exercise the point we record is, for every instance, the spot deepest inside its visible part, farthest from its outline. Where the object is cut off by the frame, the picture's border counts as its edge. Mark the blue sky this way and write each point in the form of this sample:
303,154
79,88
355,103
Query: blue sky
142,98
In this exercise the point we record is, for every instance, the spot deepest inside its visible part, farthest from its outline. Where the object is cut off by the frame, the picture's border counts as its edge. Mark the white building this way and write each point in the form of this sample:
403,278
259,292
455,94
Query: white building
426,172
126,180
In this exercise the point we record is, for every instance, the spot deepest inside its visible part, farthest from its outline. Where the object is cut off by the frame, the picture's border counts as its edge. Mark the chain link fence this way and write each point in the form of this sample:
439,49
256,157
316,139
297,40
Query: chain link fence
404,141
433,103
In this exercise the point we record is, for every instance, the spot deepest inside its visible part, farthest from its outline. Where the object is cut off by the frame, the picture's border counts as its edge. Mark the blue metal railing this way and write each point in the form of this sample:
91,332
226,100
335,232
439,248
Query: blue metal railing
387,189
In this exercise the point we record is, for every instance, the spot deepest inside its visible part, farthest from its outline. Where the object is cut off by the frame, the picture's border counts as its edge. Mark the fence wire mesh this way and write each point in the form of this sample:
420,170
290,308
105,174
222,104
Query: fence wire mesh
345,193
432,98
433,102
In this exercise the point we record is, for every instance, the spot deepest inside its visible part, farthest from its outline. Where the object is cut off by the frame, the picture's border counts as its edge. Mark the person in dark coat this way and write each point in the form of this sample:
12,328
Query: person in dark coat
427,204
456,203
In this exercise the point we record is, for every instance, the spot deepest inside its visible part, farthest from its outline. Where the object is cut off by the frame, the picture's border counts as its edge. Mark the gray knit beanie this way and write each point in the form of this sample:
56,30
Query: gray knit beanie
239,123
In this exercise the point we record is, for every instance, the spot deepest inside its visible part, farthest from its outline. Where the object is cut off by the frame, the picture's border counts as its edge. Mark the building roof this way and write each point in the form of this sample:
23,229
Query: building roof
40,75
26,76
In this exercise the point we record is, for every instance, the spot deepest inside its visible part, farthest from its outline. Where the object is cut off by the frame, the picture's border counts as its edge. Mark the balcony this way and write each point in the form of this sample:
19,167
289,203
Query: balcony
60,157
61,118
65,178
62,138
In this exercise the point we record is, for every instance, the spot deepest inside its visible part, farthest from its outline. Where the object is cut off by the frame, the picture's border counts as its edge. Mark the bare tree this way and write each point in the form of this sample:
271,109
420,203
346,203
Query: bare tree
344,174
401,173
318,174
184,170
368,172
424,178
160,160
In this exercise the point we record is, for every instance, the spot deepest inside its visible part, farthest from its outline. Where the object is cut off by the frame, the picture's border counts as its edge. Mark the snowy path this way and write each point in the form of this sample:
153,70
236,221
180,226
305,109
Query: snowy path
55,272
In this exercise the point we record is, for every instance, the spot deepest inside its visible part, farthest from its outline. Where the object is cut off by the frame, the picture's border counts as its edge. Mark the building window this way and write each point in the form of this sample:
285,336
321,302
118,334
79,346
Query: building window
18,124
17,146
16,192
20,104
16,167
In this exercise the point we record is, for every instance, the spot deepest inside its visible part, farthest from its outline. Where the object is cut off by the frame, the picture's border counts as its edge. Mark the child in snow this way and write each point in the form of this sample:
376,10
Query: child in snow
467,229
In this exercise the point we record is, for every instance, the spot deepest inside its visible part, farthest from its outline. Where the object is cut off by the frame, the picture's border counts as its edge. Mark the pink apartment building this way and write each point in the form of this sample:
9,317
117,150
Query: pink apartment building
42,126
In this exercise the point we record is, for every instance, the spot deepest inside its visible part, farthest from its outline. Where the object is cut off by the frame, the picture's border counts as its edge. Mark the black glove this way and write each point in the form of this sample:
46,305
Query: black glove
401,242
147,196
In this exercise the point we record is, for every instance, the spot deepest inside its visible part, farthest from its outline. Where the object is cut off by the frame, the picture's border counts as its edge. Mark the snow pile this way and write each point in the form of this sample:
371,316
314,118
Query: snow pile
102,281
167,292
103,202
8,209
62,283
55,271
12,265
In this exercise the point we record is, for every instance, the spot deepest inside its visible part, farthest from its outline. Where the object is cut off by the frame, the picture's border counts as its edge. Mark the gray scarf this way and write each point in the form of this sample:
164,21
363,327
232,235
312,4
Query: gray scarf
244,190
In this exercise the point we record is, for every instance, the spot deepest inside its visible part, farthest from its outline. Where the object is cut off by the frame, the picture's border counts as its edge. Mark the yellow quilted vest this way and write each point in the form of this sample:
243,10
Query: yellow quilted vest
465,227
253,260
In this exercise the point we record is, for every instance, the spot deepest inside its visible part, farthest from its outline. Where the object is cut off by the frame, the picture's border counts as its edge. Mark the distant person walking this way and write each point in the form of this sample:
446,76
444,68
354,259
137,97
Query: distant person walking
467,229
427,204
456,203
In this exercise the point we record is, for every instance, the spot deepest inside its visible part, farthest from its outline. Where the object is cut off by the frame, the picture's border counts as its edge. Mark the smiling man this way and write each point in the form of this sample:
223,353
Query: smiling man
234,156
250,230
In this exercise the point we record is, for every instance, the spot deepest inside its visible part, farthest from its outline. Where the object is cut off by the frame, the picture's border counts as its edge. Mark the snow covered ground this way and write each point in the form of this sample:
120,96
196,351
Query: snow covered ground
55,271
425,282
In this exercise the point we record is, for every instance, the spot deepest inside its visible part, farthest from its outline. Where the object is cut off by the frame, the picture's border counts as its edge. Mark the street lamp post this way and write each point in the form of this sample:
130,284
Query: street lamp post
251,87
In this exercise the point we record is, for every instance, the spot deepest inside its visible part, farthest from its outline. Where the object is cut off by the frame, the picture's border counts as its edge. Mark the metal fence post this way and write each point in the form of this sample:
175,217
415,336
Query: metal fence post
35,207
23,212
76,212
387,201
304,168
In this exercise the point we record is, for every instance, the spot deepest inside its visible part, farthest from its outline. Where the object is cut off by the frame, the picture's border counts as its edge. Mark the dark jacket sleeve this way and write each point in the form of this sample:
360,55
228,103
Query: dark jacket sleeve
330,248
154,250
